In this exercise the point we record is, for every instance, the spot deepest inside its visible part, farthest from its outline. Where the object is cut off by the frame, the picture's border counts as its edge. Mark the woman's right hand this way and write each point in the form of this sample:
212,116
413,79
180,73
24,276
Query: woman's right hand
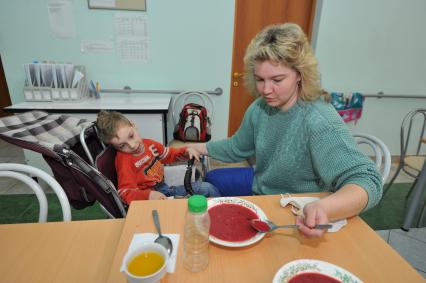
154,195
314,214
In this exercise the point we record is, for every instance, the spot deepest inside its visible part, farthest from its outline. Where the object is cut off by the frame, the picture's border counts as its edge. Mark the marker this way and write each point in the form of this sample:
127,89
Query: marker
97,94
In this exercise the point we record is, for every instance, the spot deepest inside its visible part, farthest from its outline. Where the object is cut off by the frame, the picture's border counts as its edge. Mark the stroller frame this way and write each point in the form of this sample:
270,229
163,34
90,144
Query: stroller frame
69,145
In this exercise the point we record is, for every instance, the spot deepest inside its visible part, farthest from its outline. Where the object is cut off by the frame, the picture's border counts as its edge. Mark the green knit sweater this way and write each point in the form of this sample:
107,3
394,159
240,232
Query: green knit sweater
305,149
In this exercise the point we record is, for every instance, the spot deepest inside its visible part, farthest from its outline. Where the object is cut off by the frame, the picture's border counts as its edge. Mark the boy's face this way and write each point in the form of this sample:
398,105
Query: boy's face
127,140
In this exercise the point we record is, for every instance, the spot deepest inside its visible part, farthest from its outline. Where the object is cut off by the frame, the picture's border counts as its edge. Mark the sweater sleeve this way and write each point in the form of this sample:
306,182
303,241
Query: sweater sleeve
173,154
241,145
170,154
128,195
338,161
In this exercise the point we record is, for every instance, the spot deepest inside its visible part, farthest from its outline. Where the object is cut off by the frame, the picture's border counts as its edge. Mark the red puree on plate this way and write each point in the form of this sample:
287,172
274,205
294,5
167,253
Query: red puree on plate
260,225
312,277
231,222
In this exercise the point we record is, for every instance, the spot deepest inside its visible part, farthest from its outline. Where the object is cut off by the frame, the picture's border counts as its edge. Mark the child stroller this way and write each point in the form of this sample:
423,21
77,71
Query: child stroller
80,162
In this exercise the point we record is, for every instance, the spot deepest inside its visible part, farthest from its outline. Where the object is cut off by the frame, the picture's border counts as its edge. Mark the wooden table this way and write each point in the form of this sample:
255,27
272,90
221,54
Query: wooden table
75,252
356,248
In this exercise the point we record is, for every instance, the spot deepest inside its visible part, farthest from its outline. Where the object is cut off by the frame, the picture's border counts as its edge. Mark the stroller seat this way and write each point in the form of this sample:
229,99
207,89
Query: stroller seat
80,162
57,138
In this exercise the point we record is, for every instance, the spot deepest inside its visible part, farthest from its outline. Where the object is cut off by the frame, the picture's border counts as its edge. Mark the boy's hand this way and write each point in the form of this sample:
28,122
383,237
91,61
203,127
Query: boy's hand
192,153
154,195
199,148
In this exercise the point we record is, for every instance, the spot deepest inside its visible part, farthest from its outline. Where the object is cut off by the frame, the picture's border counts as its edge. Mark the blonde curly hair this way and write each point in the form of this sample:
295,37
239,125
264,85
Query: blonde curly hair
288,45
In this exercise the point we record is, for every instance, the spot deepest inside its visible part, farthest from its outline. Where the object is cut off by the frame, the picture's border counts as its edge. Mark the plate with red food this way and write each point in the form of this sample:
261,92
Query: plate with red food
230,221
311,270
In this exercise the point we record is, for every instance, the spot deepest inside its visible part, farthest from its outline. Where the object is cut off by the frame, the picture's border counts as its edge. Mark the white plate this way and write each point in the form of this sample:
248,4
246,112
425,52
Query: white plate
233,200
311,265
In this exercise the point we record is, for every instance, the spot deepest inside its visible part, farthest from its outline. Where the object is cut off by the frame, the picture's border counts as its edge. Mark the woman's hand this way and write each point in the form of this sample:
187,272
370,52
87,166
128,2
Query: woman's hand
154,195
314,214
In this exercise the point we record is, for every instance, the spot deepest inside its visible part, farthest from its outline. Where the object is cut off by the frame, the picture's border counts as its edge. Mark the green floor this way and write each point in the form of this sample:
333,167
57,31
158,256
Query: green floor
24,208
389,214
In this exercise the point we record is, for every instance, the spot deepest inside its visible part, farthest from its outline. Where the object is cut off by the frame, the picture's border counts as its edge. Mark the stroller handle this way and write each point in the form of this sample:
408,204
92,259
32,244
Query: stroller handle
188,176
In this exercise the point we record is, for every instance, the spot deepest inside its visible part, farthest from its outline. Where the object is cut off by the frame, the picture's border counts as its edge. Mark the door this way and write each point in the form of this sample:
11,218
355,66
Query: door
251,16
4,92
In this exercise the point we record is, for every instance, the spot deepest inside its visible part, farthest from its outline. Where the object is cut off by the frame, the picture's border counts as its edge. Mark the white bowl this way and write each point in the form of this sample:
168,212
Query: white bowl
155,277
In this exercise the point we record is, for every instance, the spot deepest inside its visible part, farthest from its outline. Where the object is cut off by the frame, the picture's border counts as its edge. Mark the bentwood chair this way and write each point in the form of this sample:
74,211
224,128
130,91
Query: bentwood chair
411,140
24,173
382,157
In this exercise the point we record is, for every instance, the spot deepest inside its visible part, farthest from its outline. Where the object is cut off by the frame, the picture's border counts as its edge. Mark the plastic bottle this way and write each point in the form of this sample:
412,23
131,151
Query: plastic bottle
196,234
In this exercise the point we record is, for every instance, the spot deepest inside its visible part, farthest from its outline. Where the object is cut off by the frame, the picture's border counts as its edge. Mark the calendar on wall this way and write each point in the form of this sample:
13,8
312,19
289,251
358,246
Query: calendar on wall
131,33
132,49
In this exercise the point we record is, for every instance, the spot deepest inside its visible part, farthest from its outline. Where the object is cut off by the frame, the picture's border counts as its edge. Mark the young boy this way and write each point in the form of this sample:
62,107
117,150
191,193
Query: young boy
139,162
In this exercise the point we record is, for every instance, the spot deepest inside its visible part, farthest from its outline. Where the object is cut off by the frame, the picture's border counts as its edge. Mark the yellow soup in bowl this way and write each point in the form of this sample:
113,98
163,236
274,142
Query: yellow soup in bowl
145,263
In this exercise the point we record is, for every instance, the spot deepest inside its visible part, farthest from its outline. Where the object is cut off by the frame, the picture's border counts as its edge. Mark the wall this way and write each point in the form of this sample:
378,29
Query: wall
371,46
367,46
190,46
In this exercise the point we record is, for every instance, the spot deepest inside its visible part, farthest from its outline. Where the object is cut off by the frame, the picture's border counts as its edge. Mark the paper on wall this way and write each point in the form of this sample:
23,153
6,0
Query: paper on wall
130,25
96,46
61,18
132,49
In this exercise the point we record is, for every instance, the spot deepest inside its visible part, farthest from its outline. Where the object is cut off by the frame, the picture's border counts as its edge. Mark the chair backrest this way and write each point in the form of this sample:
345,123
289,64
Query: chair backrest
381,152
16,171
199,97
413,129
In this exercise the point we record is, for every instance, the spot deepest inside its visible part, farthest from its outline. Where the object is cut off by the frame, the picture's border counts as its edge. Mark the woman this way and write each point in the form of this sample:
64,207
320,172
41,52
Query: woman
300,143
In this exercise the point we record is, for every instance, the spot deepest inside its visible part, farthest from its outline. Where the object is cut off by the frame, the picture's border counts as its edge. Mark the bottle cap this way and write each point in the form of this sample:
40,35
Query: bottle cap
197,203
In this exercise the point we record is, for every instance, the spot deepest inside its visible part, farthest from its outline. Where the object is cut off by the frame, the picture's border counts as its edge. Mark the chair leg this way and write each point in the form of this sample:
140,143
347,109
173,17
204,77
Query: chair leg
386,189
422,215
411,189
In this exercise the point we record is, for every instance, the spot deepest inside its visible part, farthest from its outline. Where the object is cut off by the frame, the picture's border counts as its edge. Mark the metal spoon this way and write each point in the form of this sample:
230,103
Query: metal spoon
162,240
264,226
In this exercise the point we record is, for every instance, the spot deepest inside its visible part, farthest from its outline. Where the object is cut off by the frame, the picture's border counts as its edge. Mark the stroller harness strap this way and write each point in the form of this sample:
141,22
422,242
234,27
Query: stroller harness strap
53,131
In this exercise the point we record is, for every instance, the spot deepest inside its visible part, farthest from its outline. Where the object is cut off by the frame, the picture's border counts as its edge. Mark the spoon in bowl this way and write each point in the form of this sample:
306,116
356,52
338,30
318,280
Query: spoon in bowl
264,226
162,240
